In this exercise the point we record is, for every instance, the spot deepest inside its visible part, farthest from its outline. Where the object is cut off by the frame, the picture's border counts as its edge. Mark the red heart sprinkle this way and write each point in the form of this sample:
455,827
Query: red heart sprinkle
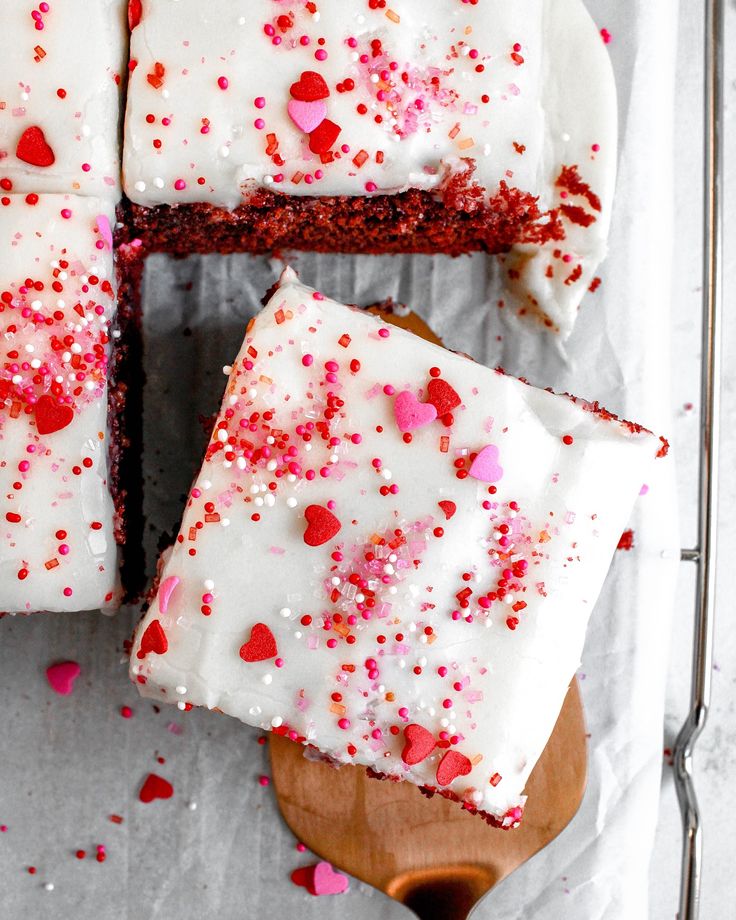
419,744
135,12
153,640
61,676
50,416
304,878
261,646
309,86
452,765
322,525
155,787
449,508
32,148
324,136
442,396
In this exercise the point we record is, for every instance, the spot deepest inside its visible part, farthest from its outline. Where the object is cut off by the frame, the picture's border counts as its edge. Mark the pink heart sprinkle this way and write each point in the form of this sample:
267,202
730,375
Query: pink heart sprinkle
165,591
307,115
61,676
327,881
411,414
486,466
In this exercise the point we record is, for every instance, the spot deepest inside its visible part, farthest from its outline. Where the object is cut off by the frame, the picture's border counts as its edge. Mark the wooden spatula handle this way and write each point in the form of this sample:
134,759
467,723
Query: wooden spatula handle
443,892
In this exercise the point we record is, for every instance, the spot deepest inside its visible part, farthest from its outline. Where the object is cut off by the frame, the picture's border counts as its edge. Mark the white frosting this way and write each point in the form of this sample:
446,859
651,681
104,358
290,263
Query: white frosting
579,99
207,117
64,78
57,548
552,518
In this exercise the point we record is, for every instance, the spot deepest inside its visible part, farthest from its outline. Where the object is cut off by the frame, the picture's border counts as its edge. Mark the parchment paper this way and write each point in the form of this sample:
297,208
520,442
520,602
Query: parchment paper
68,763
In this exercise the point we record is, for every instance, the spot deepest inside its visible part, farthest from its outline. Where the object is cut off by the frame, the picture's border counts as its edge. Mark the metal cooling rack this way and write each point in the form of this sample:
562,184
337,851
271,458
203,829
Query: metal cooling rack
703,554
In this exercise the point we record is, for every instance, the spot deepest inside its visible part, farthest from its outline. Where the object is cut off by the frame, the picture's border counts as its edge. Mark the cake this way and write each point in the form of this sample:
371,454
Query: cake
61,515
390,553
63,62
369,126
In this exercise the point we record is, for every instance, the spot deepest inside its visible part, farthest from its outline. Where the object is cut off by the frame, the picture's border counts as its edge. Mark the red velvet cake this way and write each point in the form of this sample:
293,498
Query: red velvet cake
338,126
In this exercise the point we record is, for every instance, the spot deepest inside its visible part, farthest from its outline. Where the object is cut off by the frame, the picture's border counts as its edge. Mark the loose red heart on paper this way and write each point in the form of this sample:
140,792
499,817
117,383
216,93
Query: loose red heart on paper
448,507
303,877
486,467
324,136
322,525
419,744
153,640
155,787
309,87
442,396
261,646
452,765
135,12
411,414
320,879
61,676
32,148
50,416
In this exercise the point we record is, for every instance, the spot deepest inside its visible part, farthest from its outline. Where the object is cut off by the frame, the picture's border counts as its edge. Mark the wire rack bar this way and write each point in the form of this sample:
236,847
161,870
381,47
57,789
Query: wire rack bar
704,554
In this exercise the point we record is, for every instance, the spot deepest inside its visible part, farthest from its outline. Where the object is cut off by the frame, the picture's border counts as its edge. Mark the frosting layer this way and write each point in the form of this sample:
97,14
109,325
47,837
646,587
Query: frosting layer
63,63
390,552
57,298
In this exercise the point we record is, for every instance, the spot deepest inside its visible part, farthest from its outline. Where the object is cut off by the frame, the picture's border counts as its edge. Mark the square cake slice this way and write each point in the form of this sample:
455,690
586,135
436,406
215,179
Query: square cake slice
57,299
391,552
348,126
63,67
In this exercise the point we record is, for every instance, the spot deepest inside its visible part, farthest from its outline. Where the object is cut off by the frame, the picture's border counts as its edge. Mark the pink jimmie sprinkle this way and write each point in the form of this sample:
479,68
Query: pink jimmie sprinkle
165,591
104,229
